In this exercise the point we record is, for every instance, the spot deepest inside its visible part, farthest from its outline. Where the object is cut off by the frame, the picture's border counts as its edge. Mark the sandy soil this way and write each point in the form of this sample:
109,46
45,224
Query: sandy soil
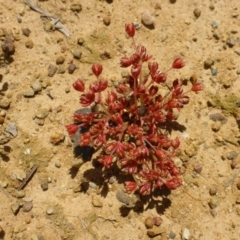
52,206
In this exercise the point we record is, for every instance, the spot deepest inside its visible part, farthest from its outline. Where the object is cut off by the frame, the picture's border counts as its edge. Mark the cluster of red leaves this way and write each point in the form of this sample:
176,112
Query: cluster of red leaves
129,126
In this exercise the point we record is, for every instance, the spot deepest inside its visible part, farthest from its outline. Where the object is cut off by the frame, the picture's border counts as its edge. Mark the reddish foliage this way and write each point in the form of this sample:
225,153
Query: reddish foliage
131,121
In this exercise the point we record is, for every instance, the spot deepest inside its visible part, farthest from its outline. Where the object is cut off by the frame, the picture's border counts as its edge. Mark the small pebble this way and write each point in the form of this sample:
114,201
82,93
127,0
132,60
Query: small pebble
211,7
155,231
20,194
15,208
42,113
27,206
230,42
76,53
57,164
193,78
149,222
147,18
208,63
2,120
28,92
213,203
71,68
76,7
137,25
67,90
197,12
36,86
50,210
96,202
185,234
44,185
29,44
52,69
216,126
5,103
80,41
60,60
172,235
213,190
214,24
26,32
214,71
107,20
27,219
238,185
213,212
157,221
56,138
231,155
12,129
198,167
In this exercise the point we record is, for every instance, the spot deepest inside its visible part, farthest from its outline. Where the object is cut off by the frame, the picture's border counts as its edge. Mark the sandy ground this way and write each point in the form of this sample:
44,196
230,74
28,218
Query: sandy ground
51,206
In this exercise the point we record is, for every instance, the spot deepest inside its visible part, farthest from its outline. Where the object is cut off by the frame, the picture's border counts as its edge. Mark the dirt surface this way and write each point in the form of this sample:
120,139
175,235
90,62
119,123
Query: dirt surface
53,204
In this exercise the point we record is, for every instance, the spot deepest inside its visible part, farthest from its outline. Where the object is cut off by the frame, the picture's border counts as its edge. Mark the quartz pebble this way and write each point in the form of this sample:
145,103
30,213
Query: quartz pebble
147,18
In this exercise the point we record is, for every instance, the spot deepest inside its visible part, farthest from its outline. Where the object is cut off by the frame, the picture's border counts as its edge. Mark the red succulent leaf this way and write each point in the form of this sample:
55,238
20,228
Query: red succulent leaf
117,148
173,103
98,86
134,130
83,118
153,90
125,62
129,165
85,139
159,77
117,118
87,98
130,186
122,88
175,143
111,97
130,29
72,129
79,85
106,160
145,189
153,67
178,63
159,116
99,140
97,69
135,70
135,58
173,183
197,87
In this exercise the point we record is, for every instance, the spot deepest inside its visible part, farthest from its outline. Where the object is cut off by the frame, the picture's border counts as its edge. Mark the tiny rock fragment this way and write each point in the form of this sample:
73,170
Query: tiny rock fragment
157,221
42,113
149,222
5,103
20,194
2,120
155,231
213,190
15,208
197,12
36,86
214,24
44,185
27,206
56,138
8,47
76,53
147,18
230,42
123,197
76,7
60,60
208,63
52,69
96,202
28,92
193,78
26,32
231,155
71,68
216,126
50,210
213,203
198,167
29,44
12,129
107,20
185,234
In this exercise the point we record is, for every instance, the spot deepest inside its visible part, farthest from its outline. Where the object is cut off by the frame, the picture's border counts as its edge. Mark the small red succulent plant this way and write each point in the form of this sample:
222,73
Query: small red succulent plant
129,127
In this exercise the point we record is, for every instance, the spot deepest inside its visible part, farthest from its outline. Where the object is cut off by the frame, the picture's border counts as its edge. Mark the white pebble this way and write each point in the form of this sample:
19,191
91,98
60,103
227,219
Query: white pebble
147,18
